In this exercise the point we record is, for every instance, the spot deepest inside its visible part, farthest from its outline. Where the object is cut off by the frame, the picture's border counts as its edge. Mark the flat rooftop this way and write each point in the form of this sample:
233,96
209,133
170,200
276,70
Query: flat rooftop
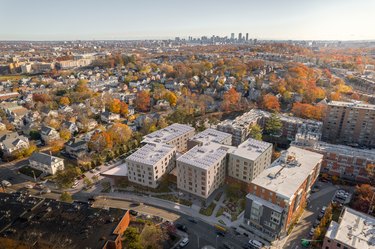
354,229
72,225
151,153
356,104
243,121
120,170
345,150
251,149
206,155
167,134
287,173
211,135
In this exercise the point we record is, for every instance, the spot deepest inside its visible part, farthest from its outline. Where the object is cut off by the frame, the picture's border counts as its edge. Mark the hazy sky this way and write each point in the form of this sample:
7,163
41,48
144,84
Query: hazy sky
146,19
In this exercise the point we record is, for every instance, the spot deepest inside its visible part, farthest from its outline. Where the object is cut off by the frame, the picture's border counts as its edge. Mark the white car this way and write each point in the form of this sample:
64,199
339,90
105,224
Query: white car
184,242
6,183
255,243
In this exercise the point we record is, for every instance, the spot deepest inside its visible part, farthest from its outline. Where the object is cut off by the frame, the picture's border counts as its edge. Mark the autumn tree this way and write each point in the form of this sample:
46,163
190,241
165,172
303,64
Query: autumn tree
114,106
308,111
100,141
119,133
271,103
124,109
142,102
170,97
231,100
65,134
41,97
363,198
64,101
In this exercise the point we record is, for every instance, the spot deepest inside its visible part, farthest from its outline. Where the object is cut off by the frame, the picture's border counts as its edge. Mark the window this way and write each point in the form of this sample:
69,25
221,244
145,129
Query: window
338,245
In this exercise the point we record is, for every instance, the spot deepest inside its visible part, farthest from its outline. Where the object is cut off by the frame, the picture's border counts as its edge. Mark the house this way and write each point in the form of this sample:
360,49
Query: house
109,116
2,127
72,127
131,110
87,125
12,142
49,113
49,134
46,163
76,148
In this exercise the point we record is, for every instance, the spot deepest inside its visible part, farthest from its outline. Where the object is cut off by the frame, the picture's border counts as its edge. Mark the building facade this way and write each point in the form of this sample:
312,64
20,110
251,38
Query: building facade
278,195
349,123
150,163
248,160
46,163
175,135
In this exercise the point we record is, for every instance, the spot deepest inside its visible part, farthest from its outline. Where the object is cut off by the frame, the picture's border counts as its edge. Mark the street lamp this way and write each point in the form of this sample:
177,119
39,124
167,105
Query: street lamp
217,236
196,234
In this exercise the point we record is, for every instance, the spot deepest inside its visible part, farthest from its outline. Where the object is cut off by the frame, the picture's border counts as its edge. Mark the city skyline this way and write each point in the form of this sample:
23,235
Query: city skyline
123,20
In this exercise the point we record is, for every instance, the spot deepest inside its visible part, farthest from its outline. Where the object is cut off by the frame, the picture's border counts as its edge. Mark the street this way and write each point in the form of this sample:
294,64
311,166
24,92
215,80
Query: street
317,201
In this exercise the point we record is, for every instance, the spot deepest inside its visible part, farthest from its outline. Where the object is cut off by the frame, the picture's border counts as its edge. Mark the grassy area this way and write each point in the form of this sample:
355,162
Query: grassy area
173,198
209,210
220,212
27,170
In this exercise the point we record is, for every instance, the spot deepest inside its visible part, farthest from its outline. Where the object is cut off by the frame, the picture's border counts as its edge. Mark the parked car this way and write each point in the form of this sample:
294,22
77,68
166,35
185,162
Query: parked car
184,242
312,231
255,244
6,183
181,227
133,212
192,220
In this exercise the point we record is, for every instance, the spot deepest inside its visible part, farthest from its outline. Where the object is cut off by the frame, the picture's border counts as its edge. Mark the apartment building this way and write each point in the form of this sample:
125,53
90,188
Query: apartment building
150,163
277,195
201,170
175,135
248,160
239,127
355,230
210,135
349,123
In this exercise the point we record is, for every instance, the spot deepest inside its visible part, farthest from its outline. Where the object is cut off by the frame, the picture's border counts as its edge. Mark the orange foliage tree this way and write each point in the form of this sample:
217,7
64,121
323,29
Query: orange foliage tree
100,141
142,102
230,100
270,102
308,111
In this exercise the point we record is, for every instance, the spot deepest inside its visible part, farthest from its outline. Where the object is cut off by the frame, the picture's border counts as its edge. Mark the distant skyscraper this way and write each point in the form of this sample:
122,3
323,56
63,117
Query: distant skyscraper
247,36
232,36
239,36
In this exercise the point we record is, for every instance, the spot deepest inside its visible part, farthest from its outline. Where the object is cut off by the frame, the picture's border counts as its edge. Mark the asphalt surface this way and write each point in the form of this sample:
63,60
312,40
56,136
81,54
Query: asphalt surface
317,200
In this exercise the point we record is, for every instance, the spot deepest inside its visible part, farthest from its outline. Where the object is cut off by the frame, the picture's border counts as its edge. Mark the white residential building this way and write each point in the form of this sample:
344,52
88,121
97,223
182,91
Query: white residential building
248,160
150,163
201,170
210,135
175,135
46,163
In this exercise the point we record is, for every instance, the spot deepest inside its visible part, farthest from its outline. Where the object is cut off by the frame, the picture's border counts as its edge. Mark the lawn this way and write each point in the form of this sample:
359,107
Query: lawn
27,170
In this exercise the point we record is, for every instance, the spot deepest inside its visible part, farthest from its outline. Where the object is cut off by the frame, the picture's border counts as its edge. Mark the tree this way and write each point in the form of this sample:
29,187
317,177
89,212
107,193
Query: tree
41,97
142,102
271,103
273,125
308,111
119,133
170,97
65,134
100,141
114,106
124,109
255,131
82,87
132,239
64,101
363,196
230,100
66,197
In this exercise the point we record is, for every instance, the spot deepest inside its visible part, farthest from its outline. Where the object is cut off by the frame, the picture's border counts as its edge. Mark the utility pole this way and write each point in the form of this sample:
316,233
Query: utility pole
34,175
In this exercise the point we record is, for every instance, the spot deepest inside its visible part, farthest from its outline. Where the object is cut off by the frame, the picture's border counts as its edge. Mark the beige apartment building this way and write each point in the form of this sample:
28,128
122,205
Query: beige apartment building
201,170
248,160
150,163
210,135
349,123
175,135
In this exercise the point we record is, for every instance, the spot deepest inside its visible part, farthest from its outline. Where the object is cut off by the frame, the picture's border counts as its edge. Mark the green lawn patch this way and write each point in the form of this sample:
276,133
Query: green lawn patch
173,198
27,170
209,210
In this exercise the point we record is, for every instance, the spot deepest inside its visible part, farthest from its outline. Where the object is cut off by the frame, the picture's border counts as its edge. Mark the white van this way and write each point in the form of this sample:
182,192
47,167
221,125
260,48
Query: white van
255,244
5,183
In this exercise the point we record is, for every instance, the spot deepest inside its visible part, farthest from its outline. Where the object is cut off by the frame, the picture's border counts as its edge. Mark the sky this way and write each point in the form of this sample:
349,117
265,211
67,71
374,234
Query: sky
164,19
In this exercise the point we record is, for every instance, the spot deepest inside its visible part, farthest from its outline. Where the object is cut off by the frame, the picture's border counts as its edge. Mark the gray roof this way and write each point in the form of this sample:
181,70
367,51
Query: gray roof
44,158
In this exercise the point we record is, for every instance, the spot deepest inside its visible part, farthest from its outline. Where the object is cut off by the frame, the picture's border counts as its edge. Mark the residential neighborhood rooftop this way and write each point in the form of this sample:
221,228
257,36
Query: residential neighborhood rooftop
287,173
